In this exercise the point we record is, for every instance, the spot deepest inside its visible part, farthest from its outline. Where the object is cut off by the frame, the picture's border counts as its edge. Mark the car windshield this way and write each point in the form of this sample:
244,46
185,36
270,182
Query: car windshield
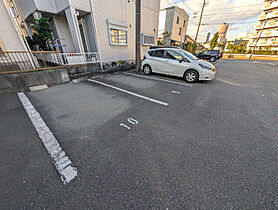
188,55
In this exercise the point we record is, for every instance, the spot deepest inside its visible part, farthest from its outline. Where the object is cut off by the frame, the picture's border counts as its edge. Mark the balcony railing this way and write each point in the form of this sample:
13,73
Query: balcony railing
265,34
272,15
263,43
80,58
270,6
263,17
255,35
268,16
271,24
24,61
260,26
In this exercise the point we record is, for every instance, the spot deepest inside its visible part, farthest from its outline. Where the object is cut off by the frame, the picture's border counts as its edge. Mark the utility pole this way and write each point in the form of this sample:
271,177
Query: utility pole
200,20
138,35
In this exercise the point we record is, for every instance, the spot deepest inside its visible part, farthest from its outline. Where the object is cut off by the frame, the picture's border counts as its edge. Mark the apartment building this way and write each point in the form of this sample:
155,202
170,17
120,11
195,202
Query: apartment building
10,37
173,20
265,34
103,26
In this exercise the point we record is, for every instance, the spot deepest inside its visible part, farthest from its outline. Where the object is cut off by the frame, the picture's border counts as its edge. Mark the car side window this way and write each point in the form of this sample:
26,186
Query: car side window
158,53
170,54
205,52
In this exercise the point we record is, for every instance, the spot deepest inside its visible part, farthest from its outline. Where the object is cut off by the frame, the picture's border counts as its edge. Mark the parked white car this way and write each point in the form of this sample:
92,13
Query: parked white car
177,62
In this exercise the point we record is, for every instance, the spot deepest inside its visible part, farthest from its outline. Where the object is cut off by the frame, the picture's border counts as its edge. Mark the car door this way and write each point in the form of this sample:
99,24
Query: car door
158,61
175,62
206,55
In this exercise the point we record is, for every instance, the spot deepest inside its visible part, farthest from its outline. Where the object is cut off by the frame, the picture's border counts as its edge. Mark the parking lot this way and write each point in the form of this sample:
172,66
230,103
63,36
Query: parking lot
142,142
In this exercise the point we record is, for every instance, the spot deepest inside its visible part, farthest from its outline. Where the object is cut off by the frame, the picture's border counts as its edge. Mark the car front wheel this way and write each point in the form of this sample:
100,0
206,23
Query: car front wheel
191,76
147,69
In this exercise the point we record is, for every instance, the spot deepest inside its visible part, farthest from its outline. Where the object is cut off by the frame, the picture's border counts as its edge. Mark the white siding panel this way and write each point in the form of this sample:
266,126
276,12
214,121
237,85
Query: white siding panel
63,32
83,5
61,5
25,7
46,6
150,20
9,38
119,10
124,11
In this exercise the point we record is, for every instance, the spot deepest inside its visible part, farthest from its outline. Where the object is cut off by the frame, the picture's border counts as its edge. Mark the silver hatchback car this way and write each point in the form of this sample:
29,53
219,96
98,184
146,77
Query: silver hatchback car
177,62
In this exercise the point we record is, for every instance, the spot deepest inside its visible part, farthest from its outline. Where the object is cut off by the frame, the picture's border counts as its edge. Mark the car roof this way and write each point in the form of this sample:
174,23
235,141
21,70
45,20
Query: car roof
164,48
159,47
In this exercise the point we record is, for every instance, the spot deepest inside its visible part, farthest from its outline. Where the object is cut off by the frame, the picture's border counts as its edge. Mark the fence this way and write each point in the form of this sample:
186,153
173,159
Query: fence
24,61
80,58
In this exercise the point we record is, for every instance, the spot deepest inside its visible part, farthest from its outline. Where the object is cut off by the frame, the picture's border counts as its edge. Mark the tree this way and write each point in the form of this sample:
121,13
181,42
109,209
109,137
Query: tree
164,38
42,33
230,46
190,47
214,41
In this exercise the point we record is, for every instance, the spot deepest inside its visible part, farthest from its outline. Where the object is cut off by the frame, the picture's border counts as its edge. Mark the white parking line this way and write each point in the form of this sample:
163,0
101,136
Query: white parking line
131,93
158,79
230,82
62,162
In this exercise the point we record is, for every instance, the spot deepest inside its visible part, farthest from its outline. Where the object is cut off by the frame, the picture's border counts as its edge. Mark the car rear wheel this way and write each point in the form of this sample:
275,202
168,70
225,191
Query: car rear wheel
191,76
147,69
212,59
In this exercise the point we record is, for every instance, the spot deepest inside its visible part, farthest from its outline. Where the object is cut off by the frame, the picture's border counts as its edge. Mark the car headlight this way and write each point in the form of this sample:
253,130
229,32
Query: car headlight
205,67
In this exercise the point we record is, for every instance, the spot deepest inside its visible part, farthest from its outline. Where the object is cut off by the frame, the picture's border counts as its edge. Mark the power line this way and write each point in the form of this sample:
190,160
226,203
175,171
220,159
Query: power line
235,7
187,6
209,15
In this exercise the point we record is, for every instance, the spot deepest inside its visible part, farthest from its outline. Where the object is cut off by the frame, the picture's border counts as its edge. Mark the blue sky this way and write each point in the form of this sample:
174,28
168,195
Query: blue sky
241,15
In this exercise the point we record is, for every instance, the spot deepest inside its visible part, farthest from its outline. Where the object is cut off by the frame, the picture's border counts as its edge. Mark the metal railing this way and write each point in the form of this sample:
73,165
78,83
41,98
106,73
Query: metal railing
80,58
24,61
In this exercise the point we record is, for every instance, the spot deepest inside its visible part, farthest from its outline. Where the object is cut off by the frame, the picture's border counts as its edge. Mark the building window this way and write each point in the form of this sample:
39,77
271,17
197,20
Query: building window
118,36
178,20
180,31
147,40
183,23
118,32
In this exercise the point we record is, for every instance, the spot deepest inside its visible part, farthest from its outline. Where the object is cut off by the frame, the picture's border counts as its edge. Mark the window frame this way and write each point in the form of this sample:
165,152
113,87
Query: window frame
143,39
180,31
178,19
119,26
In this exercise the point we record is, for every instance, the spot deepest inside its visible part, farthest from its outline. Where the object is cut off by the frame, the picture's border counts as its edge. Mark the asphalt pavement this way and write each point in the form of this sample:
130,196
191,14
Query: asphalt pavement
147,142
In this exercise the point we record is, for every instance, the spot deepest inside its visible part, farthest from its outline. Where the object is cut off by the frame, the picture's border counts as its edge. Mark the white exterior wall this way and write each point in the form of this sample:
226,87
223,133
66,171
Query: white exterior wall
150,20
123,11
63,32
9,38
176,27
83,5
25,7
168,22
